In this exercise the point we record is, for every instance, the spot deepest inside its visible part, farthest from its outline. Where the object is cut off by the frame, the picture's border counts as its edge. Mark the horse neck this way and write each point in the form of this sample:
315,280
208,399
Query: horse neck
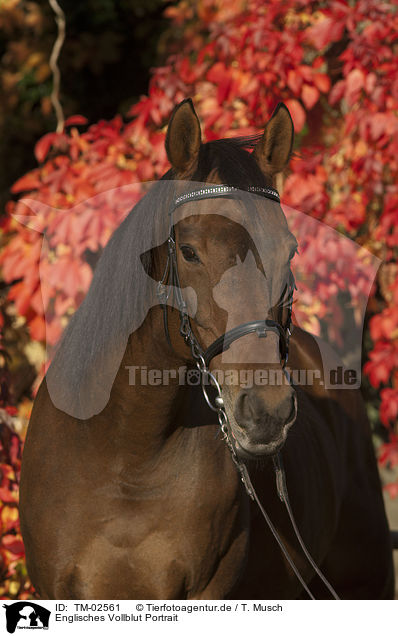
147,391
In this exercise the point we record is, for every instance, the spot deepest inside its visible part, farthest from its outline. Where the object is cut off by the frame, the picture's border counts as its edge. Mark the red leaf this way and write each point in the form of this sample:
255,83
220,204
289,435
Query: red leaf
54,331
382,360
77,120
37,329
389,452
44,144
29,181
322,82
294,81
384,324
13,545
297,112
221,77
392,489
389,406
337,92
309,95
8,496
325,31
382,123
355,81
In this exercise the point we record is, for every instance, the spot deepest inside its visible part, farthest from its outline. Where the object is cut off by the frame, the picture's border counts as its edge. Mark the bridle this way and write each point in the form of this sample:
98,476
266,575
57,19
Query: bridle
171,281
260,327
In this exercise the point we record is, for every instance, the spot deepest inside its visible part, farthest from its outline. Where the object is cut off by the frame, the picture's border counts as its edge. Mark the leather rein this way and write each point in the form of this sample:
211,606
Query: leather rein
170,281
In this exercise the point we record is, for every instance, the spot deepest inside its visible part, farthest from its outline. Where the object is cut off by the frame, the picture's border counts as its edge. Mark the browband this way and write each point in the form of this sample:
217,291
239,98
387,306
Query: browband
212,192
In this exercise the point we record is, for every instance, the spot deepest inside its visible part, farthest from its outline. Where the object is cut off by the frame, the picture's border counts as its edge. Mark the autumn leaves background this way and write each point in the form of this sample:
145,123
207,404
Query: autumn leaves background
334,64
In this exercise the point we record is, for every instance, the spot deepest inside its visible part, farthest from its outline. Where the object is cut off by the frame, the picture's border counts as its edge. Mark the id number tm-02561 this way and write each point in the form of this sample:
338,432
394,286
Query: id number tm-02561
97,607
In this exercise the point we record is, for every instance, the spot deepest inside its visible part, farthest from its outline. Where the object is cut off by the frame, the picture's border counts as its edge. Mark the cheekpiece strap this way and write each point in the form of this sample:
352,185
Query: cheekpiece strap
211,192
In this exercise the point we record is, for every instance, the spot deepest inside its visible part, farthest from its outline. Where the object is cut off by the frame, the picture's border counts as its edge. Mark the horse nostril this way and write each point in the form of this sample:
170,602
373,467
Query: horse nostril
243,410
286,409
249,408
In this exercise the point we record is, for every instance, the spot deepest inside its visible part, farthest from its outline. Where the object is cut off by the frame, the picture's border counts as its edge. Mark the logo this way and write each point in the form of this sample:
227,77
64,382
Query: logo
26,615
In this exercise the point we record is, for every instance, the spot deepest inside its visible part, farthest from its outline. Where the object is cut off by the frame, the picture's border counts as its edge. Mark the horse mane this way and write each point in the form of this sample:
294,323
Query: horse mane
88,357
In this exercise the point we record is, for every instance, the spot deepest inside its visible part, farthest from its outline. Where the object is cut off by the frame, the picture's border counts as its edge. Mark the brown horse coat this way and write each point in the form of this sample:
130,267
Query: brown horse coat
142,500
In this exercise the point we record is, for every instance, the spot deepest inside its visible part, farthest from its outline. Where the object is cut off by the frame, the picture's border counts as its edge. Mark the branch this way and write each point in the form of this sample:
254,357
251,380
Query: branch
60,20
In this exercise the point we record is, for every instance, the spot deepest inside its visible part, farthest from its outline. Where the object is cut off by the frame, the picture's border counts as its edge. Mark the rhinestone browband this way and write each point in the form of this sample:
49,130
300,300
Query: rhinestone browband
222,190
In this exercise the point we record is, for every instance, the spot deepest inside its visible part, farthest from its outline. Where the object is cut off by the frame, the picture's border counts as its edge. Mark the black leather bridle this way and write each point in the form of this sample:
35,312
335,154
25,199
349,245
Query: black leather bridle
171,277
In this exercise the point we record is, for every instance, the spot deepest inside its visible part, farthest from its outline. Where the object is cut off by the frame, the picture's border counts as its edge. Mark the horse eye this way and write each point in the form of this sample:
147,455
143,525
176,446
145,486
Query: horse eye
293,252
189,254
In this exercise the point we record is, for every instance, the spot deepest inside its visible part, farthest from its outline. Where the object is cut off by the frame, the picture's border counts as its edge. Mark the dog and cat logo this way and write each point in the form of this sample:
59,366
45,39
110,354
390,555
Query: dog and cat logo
26,615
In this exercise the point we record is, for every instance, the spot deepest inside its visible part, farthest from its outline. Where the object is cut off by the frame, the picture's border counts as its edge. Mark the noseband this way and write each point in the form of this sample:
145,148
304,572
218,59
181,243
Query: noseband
204,357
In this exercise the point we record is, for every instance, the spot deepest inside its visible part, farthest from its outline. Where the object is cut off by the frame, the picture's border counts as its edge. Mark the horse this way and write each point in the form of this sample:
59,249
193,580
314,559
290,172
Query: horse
139,490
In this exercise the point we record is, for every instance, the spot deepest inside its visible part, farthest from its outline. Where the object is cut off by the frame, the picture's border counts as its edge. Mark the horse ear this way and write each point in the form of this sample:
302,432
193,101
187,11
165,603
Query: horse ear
275,146
183,137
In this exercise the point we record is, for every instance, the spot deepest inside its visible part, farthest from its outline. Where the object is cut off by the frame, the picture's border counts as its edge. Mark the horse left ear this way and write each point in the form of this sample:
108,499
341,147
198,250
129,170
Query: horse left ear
183,137
275,146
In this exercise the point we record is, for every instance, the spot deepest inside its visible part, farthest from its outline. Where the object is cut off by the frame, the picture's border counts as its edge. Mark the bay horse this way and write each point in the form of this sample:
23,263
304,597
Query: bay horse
129,491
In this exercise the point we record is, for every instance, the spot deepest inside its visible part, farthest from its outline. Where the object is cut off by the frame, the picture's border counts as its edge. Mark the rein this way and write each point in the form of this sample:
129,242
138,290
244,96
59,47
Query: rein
203,358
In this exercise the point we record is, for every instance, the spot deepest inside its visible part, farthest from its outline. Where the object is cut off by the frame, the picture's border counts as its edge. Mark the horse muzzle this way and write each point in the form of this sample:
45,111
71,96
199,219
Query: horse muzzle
258,428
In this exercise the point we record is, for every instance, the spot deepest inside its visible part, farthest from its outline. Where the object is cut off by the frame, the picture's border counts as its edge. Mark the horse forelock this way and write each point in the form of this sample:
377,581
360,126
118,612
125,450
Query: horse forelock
231,162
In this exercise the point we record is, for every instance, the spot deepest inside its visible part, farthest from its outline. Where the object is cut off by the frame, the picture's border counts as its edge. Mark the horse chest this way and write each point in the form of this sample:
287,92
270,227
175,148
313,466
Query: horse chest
188,551
182,535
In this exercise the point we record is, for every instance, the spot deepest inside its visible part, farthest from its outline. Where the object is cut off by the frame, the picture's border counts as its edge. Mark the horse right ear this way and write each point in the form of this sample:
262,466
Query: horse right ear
275,146
183,138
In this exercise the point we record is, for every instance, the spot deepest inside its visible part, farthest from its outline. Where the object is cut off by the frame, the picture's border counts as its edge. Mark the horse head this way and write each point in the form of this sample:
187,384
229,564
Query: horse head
234,251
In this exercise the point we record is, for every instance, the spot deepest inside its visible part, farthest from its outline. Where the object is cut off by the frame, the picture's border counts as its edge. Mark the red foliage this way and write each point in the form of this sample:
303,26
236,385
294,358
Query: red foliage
237,60
13,577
